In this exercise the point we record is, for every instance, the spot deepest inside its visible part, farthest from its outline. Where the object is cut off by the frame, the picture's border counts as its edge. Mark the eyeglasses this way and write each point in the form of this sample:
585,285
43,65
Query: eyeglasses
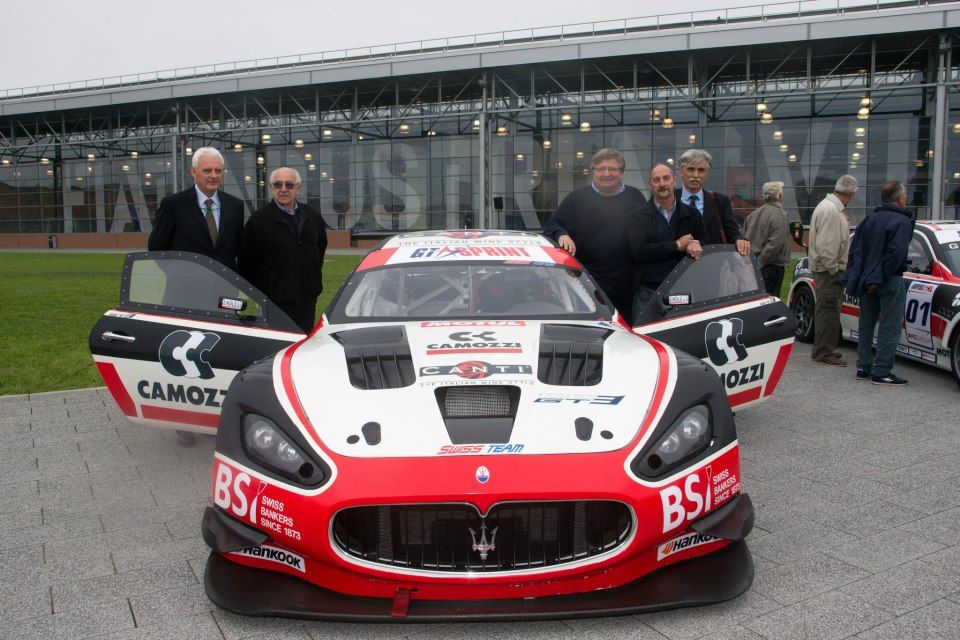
277,184
607,169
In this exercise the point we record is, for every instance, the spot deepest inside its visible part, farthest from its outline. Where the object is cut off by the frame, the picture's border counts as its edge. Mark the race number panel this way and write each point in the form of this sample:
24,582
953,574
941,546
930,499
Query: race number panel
184,327
918,314
730,322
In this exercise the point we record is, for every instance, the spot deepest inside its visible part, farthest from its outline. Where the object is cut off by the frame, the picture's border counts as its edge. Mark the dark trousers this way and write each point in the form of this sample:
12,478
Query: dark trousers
883,310
826,317
772,279
304,313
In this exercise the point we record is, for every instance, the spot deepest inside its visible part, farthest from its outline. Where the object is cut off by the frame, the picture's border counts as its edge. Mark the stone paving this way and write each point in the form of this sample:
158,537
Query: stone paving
855,488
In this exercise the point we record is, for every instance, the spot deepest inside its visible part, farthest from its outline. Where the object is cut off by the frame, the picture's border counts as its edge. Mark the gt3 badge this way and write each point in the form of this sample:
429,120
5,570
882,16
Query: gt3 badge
723,339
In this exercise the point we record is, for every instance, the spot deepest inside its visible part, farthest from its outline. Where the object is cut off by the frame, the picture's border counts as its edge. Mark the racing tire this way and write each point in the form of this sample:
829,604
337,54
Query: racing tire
955,356
802,307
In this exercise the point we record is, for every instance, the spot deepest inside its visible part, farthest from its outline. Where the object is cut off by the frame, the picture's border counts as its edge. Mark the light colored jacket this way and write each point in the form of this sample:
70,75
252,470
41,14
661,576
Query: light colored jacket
769,234
829,236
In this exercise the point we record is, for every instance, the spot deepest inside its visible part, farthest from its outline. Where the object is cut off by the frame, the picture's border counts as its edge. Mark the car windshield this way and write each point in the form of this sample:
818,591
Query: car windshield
951,255
468,290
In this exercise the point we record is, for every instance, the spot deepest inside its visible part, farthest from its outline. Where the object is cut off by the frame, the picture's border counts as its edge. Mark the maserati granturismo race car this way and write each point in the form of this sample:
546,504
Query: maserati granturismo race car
470,432
932,312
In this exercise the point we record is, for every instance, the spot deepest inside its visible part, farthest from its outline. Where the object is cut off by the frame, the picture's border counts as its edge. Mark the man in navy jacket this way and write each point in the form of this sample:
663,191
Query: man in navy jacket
878,255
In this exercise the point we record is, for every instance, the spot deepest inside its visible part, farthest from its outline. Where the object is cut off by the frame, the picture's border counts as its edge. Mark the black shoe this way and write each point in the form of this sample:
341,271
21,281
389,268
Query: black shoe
863,374
888,379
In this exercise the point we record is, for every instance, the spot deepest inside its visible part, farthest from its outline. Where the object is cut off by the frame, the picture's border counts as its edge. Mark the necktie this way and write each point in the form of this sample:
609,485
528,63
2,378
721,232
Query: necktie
211,222
693,201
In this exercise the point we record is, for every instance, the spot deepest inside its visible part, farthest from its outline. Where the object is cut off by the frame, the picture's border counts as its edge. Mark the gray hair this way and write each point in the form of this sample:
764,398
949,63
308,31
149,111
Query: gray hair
296,174
608,154
691,156
206,151
771,191
847,185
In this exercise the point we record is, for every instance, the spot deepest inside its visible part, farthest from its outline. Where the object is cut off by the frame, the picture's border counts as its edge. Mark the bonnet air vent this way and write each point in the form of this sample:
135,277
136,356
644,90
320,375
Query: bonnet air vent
377,357
481,414
571,355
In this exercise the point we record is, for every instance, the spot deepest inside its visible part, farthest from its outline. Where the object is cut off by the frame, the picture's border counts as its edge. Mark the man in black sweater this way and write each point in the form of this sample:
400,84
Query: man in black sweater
591,224
659,235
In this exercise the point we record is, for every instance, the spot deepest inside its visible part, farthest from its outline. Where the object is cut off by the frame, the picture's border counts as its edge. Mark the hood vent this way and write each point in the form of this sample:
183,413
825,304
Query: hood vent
571,355
377,357
478,414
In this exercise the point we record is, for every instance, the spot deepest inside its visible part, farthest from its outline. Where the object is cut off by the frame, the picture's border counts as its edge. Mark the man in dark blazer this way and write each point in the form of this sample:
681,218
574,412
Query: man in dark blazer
283,248
659,235
201,219
719,222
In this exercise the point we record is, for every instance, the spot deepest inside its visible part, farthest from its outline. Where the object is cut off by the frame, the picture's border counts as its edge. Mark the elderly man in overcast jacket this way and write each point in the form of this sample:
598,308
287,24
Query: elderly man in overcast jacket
878,258
829,244
769,234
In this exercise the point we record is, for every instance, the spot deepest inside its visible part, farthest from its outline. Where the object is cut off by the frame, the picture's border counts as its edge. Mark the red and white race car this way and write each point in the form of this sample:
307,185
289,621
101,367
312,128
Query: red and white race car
932,304
470,432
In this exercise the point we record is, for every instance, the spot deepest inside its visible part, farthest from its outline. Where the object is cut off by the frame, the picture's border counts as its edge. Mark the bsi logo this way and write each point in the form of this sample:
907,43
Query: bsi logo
184,353
723,339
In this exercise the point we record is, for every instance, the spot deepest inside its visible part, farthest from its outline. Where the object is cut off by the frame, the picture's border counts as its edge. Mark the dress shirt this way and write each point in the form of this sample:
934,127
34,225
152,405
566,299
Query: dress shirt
667,213
202,201
685,198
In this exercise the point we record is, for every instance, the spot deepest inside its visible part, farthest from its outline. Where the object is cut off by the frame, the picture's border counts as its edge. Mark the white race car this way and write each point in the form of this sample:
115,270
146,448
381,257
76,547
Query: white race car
470,432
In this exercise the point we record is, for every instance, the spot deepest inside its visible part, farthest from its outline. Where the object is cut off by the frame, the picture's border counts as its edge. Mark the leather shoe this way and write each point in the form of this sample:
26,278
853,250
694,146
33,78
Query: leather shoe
833,359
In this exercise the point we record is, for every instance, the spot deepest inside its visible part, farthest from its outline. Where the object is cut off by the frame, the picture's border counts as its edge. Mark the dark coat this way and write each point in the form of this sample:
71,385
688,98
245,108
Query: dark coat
284,264
719,221
878,249
180,225
643,239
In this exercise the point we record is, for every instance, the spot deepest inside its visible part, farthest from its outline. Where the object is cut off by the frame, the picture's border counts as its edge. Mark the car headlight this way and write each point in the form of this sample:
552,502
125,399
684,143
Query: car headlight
689,435
265,443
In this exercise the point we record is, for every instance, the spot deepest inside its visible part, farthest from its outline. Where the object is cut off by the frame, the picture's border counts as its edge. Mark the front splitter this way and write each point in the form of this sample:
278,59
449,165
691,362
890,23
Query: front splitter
706,580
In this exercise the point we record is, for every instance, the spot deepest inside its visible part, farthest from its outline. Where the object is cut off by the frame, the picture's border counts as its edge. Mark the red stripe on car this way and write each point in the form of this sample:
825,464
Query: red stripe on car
745,396
778,367
376,259
197,418
850,310
112,379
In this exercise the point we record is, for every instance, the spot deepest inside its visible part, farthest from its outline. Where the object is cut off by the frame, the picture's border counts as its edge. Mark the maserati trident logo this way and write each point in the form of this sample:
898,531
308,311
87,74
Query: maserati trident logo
482,545
482,475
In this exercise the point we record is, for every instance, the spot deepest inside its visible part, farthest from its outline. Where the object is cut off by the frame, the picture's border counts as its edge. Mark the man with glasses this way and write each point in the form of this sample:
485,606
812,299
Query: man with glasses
591,223
283,248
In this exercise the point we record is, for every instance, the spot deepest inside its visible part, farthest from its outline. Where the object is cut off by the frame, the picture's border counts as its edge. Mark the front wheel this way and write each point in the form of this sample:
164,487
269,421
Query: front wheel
802,307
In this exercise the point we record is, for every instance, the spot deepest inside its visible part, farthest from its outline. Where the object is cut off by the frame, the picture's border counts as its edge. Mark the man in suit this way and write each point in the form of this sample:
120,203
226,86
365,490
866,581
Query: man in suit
659,235
201,220
283,248
719,222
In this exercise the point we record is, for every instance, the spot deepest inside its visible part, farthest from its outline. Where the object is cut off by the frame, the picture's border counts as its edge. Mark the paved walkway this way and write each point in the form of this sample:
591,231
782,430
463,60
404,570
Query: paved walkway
855,487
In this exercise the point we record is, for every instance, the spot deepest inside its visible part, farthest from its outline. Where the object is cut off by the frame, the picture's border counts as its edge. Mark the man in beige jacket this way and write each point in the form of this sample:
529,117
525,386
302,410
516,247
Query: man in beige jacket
829,244
769,234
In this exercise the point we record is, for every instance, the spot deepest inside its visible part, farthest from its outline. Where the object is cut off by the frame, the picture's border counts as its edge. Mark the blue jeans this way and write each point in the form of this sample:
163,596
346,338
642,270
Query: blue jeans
883,310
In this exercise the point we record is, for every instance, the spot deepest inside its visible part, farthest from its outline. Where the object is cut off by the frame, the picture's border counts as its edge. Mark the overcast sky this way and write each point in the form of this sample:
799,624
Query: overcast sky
66,40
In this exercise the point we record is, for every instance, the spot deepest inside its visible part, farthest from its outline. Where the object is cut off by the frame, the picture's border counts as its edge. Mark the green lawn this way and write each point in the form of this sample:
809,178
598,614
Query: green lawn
52,300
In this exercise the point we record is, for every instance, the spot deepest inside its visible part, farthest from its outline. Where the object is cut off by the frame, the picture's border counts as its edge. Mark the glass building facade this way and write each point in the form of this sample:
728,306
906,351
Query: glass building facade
501,147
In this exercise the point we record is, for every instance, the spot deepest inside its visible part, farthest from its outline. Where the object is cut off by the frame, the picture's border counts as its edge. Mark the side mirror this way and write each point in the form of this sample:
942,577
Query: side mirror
796,232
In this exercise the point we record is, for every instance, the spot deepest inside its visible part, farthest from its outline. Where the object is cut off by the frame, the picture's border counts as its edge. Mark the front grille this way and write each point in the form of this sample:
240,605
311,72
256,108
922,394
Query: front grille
482,414
451,538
